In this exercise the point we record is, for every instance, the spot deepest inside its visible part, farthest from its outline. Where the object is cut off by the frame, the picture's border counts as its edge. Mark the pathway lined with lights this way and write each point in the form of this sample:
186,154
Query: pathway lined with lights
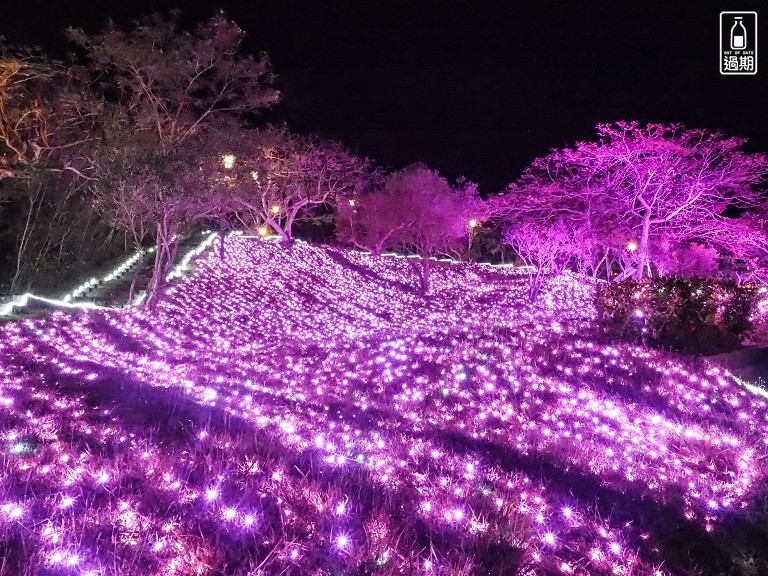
94,290
304,411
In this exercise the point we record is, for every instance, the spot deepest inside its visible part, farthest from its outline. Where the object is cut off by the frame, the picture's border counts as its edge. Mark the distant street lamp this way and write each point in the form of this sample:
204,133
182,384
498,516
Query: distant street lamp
262,231
632,246
275,209
473,223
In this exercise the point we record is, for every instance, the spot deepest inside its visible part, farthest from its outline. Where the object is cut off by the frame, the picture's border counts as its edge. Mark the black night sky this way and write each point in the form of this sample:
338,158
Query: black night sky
468,89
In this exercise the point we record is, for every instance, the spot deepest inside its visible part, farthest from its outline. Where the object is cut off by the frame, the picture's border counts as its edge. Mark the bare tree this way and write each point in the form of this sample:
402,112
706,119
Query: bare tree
173,89
285,177
174,83
47,114
48,122
671,179
546,248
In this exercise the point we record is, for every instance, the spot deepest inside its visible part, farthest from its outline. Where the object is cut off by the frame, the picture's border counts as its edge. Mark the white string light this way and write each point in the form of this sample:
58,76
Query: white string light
66,301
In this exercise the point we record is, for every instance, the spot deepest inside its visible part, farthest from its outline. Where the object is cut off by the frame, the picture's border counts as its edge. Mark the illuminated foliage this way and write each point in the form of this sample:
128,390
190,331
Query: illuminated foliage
647,186
48,122
414,210
169,91
690,314
299,411
283,178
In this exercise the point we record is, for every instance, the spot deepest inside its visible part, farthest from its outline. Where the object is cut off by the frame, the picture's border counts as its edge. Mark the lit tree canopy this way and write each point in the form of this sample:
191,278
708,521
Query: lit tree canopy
48,124
296,175
638,186
547,247
416,210
47,114
275,177
156,192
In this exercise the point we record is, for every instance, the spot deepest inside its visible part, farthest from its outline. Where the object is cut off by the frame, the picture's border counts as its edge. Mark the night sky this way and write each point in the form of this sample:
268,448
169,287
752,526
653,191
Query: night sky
470,90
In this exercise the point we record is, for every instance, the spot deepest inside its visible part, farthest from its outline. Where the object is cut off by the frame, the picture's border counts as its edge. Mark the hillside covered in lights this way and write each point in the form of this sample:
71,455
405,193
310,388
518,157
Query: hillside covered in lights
305,411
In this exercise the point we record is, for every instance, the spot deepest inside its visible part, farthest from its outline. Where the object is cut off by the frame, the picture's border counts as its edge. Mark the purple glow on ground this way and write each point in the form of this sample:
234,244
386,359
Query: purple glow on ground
361,408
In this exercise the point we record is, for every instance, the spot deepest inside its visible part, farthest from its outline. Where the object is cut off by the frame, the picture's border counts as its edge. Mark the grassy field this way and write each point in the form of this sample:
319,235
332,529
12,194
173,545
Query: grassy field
305,411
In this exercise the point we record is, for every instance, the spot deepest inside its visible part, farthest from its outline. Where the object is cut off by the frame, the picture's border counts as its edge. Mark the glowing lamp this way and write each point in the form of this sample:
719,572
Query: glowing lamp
342,541
632,246
228,161
351,202
275,209
473,223
262,231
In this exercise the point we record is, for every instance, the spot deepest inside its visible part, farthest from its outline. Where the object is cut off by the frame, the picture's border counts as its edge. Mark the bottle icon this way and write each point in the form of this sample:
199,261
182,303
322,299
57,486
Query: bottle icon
738,35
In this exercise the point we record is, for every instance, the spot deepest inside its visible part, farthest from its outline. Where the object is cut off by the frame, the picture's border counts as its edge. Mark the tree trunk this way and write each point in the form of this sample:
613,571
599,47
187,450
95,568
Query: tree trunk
289,224
425,276
533,293
132,289
608,267
644,248
596,267
26,233
162,261
154,283
279,229
221,247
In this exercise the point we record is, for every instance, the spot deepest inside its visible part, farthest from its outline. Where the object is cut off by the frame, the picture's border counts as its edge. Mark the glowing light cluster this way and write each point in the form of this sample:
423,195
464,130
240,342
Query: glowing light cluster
228,161
183,265
121,269
305,411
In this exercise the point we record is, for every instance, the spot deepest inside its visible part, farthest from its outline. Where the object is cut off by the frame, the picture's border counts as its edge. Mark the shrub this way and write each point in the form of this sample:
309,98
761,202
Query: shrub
759,319
697,315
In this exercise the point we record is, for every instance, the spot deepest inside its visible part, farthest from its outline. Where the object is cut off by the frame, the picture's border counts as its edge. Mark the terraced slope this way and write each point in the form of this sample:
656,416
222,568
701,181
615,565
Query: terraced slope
305,411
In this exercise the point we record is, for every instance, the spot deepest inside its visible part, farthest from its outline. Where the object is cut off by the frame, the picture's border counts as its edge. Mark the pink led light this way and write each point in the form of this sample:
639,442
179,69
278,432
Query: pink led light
337,369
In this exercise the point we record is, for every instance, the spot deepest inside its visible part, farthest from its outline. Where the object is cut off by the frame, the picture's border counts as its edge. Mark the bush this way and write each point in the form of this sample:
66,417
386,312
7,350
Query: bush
696,315
759,319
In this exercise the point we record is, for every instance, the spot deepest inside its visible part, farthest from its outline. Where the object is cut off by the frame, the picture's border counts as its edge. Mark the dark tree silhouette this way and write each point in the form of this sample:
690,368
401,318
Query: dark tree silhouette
168,90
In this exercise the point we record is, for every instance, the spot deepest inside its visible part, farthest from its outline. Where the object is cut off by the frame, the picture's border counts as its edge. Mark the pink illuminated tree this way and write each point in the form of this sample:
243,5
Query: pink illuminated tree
555,193
639,186
673,180
546,248
284,177
158,194
415,210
